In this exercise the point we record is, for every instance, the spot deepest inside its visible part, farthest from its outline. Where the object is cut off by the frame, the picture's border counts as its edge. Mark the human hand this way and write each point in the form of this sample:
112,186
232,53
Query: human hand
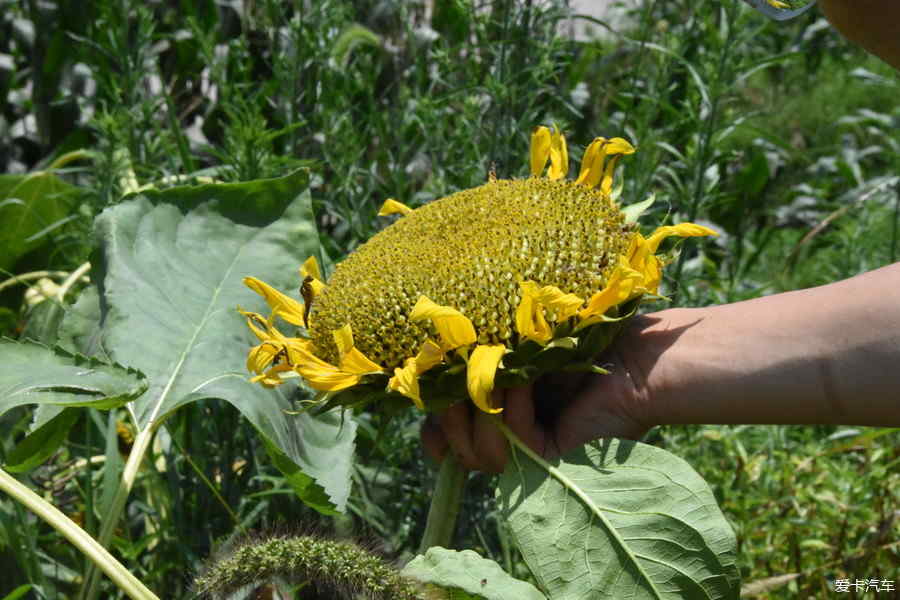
553,416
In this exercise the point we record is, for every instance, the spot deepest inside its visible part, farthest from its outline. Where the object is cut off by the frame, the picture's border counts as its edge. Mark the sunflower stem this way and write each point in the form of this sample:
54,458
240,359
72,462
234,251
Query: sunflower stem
116,571
448,493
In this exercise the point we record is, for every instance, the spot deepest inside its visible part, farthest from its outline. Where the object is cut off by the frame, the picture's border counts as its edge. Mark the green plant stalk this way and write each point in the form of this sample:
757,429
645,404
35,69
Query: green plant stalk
61,161
116,571
448,493
129,474
518,444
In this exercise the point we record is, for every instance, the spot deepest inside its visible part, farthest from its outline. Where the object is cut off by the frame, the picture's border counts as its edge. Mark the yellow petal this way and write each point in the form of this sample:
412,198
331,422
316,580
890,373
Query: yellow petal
607,182
453,327
253,322
261,356
592,163
594,166
320,374
682,229
620,287
352,360
271,377
559,156
563,304
310,268
312,285
616,148
430,354
282,305
619,145
652,275
327,379
343,338
391,207
406,381
540,149
324,376
530,321
480,373
299,350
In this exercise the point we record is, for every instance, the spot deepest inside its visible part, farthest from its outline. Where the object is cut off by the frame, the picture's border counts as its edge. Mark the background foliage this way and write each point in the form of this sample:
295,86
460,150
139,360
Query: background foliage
780,135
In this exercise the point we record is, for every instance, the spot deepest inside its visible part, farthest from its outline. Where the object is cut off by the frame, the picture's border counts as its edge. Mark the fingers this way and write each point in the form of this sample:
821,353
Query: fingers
456,423
519,416
433,440
489,443
475,439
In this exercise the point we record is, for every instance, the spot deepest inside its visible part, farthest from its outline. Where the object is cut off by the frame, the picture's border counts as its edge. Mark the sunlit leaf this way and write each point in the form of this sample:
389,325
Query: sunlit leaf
619,519
170,273
31,373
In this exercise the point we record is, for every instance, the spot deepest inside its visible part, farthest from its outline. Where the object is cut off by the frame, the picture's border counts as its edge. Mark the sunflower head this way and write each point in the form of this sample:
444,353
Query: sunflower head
493,285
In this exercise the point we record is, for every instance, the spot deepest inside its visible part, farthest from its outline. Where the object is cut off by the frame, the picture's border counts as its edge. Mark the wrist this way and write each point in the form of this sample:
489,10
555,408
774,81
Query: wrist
646,349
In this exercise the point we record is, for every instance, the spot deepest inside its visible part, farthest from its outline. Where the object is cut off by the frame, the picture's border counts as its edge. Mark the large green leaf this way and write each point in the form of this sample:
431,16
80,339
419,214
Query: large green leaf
42,441
31,373
467,576
619,519
170,272
30,205
79,330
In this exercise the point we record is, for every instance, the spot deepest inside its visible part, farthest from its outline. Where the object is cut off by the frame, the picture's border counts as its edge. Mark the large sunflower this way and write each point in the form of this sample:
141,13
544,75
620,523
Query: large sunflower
493,285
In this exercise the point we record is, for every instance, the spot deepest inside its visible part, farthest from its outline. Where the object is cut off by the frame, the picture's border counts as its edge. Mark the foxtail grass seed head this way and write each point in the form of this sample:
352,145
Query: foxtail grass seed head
468,280
334,568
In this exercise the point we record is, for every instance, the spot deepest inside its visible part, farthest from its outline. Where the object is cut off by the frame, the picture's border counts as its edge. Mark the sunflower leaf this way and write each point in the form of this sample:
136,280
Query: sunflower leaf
617,519
467,575
57,381
32,373
634,211
170,270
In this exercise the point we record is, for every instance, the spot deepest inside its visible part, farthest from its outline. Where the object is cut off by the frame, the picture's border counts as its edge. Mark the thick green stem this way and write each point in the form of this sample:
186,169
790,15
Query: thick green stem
121,576
448,493
141,444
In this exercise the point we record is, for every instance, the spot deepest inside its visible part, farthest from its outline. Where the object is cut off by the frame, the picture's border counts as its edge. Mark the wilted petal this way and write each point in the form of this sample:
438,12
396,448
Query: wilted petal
391,207
282,305
310,268
559,156
453,327
592,163
261,356
540,149
682,230
480,374
530,321
253,322
620,288
563,304
271,377
351,359
406,382
430,355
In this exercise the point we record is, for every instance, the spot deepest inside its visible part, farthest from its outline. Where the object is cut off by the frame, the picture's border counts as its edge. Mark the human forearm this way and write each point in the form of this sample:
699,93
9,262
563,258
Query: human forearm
824,355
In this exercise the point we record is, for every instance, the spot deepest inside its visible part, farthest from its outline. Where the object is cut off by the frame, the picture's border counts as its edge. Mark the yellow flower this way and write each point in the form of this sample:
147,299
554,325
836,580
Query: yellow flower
489,286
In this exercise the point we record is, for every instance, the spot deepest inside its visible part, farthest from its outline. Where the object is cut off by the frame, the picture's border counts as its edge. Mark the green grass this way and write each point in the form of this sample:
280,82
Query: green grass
765,130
